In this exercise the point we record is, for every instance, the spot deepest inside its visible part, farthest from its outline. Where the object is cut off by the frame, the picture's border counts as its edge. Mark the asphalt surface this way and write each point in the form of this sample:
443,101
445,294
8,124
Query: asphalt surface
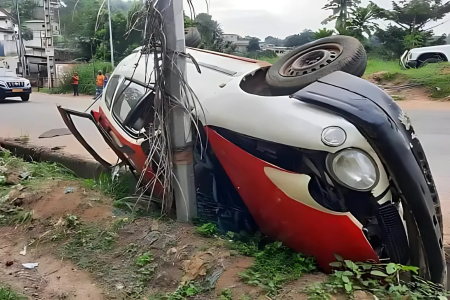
31,119
28,120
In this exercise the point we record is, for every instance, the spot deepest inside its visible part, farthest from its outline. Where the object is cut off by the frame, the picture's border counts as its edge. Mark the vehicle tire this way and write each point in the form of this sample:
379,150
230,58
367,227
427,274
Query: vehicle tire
192,37
429,61
25,97
308,63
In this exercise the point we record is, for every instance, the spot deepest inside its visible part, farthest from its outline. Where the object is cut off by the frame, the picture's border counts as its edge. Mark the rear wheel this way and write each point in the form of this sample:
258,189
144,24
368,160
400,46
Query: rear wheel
25,97
310,62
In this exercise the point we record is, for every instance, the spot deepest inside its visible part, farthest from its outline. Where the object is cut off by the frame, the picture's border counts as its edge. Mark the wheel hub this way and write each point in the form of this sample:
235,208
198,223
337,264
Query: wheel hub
311,60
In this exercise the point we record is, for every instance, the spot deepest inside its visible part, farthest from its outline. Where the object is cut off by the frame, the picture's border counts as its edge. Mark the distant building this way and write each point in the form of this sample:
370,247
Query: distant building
280,51
8,29
232,38
241,45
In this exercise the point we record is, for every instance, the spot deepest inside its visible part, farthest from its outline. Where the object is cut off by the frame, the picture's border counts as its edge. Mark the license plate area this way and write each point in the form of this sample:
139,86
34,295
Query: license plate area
17,90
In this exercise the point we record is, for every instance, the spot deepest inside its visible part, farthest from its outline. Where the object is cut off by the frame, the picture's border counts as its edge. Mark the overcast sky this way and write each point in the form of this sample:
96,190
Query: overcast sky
278,18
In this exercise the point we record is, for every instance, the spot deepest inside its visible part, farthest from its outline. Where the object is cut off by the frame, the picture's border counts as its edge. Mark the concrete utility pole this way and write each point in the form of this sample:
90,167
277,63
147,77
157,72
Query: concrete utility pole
49,50
110,35
180,123
21,52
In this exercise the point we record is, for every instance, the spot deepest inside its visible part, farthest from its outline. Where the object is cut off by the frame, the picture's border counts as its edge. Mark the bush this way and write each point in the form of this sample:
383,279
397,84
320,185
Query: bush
87,73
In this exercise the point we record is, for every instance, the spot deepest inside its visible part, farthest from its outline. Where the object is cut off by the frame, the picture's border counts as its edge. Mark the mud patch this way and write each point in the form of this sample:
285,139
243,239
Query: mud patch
54,202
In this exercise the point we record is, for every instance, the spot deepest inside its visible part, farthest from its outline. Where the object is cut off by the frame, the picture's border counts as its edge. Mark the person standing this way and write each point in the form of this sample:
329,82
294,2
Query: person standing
75,80
99,84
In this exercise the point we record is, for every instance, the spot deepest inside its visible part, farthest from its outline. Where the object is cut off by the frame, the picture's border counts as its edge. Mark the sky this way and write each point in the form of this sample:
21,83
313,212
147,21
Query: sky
278,18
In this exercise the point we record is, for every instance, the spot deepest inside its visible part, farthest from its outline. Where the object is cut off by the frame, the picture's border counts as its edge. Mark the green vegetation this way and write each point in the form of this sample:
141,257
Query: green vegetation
276,265
226,295
207,229
432,76
8,294
87,73
382,280
144,259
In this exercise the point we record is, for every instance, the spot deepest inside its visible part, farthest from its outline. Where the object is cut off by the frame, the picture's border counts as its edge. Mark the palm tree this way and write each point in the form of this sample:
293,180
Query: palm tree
362,19
340,10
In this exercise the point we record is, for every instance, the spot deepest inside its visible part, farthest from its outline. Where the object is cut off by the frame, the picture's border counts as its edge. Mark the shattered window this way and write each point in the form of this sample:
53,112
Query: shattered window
128,97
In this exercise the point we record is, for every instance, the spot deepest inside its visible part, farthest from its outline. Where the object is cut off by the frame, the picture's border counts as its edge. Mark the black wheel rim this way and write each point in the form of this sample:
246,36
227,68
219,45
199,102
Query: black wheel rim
311,60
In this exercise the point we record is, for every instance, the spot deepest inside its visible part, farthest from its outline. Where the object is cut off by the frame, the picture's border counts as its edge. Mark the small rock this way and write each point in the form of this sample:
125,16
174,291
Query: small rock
155,226
361,295
9,263
12,179
69,190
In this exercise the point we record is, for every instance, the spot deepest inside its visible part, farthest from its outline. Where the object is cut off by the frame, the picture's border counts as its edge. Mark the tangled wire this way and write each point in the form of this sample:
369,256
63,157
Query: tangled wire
159,64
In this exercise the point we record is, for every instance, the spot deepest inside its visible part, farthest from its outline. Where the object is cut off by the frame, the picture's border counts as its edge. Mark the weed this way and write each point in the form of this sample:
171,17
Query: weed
117,187
72,221
226,294
8,294
316,291
208,229
382,280
275,266
245,297
86,245
187,290
144,259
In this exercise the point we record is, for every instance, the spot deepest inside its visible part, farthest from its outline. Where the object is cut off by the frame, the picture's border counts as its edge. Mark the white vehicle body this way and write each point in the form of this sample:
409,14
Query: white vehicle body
417,56
223,103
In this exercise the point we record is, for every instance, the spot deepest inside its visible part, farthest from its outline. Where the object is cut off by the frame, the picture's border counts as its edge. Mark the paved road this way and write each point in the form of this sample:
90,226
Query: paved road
430,119
40,114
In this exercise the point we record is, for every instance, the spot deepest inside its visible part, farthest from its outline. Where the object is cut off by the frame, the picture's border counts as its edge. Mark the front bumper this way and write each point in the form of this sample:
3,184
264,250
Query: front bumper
389,132
14,92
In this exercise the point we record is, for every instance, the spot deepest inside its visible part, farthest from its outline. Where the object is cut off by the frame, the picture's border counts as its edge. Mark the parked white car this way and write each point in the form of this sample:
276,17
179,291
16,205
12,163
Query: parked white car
419,57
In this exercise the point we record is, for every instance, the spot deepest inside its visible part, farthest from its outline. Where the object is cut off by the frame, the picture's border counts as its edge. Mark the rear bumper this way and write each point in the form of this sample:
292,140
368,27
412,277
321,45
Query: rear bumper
8,93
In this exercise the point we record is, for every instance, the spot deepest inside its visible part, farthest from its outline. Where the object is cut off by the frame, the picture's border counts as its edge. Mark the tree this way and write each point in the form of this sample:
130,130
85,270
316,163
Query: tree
253,45
273,40
414,15
391,40
210,31
340,10
296,40
26,8
362,20
323,33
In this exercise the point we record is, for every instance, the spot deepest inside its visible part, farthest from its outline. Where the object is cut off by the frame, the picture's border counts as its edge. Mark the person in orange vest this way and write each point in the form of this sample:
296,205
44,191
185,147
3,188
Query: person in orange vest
75,80
100,81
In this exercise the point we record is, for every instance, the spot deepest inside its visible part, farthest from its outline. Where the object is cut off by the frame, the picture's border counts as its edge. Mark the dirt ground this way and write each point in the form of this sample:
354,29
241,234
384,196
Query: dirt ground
94,255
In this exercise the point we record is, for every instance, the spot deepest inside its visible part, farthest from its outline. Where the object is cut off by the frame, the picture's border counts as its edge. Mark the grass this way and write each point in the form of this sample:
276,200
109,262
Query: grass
276,265
382,280
433,76
8,294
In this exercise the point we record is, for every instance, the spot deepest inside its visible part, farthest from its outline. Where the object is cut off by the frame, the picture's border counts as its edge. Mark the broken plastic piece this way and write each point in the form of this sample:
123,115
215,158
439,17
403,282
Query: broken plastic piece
55,132
30,266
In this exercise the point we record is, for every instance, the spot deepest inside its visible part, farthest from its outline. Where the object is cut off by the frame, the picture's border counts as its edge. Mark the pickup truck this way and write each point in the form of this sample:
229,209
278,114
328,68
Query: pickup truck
419,57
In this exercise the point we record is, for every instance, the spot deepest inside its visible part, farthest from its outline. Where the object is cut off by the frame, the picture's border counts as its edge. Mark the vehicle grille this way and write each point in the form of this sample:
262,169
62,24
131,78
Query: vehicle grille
15,84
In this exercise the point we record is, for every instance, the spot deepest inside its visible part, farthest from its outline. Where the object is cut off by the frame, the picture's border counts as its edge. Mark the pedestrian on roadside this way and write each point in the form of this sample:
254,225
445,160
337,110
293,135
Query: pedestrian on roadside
99,84
75,80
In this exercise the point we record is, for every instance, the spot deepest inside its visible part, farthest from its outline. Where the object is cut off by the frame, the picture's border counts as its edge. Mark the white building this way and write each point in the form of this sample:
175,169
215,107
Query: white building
38,28
232,38
8,30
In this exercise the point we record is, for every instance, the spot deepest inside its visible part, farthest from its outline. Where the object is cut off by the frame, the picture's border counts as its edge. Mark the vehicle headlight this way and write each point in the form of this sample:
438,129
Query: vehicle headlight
354,169
2,83
27,83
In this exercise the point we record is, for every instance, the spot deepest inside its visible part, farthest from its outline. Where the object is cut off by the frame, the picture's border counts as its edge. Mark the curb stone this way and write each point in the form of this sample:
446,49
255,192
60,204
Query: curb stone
82,167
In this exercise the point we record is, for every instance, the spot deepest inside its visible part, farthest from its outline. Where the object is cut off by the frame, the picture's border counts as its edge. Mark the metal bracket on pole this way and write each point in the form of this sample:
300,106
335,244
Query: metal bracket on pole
180,122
